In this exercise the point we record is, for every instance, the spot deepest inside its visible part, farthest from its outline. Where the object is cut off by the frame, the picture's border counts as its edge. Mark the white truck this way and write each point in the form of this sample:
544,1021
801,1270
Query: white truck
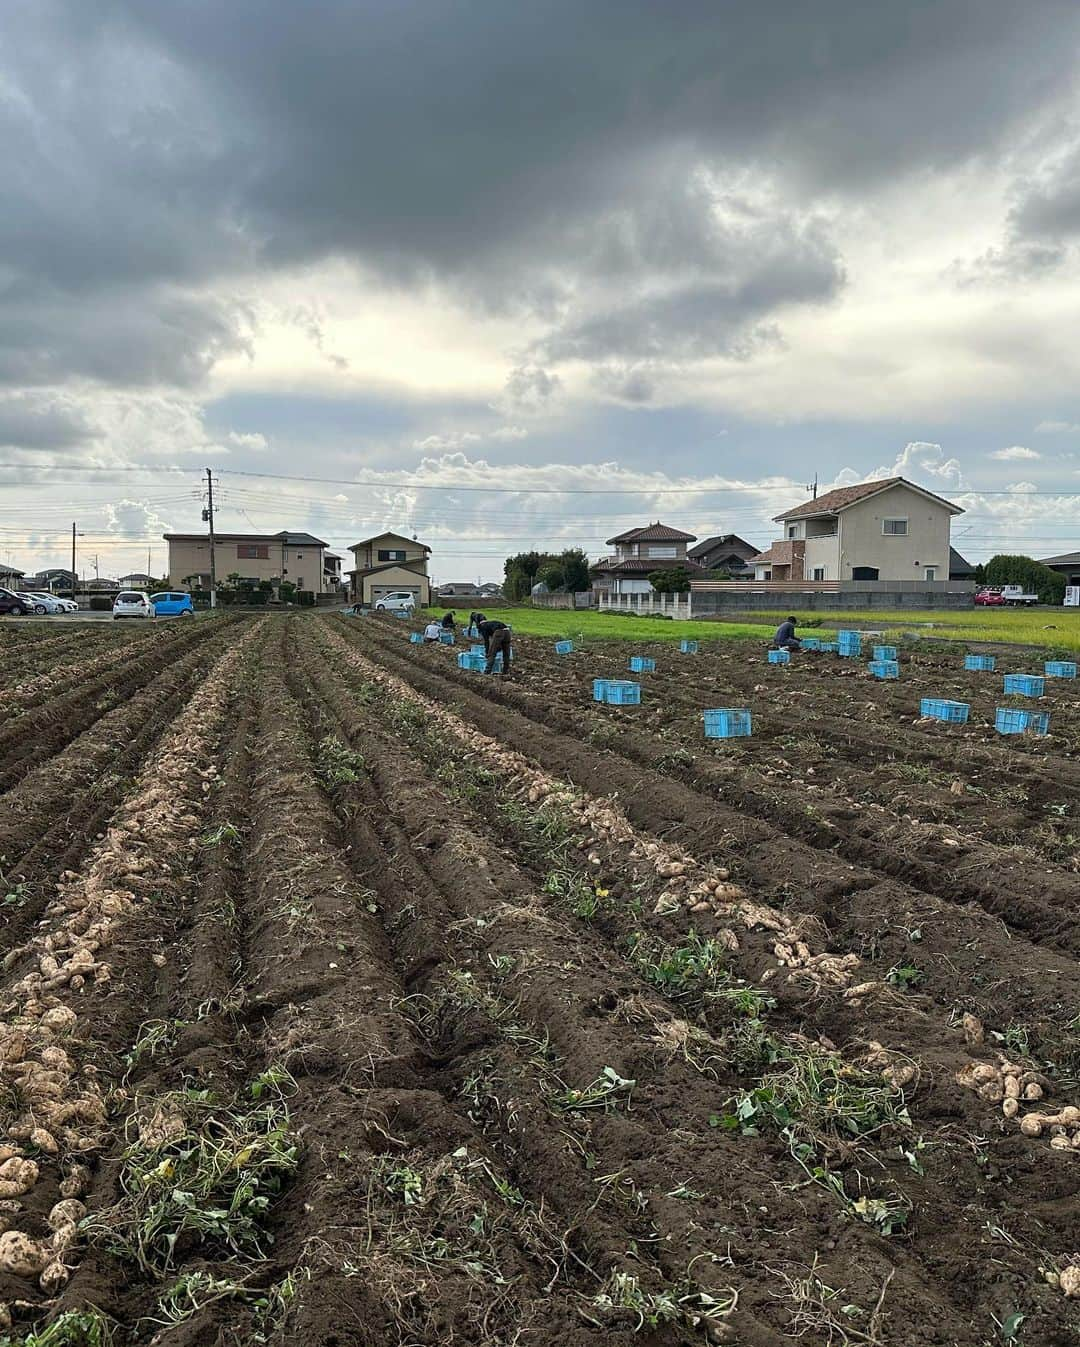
1014,595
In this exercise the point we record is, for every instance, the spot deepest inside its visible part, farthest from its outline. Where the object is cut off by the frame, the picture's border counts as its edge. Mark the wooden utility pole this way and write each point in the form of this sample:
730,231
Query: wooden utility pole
210,521
73,535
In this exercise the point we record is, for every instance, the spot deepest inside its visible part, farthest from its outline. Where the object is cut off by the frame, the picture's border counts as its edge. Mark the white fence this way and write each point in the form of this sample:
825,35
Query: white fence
670,605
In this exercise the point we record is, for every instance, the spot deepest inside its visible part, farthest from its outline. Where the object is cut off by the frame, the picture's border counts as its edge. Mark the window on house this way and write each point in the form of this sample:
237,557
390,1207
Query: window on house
819,573
666,552
930,573
894,526
391,554
792,529
299,556
252,552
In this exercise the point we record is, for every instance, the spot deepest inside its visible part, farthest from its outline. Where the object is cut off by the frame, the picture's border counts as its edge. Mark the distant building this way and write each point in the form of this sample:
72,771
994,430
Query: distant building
11,577
461,589
137,580
389,563
491,590
885,530
639,552
1068,565
725,552
331,571
959,568
285,557
55,580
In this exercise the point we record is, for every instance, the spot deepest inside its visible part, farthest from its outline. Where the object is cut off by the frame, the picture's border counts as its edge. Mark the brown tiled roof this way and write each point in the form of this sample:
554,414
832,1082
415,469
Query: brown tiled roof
652,533
642,565
843,496
767,558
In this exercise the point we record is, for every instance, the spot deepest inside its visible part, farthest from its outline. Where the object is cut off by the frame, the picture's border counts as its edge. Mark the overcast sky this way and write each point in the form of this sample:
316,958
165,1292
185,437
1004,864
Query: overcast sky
548,248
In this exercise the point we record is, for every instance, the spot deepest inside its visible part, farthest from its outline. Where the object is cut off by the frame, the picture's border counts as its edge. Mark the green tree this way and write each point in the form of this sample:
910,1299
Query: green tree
673,581
520,573
1032,576
575,568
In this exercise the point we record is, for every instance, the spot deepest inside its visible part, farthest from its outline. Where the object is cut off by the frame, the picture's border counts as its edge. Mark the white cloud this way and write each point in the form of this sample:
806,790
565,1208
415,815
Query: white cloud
1015,453
1057,428
919,459
454,440
252,440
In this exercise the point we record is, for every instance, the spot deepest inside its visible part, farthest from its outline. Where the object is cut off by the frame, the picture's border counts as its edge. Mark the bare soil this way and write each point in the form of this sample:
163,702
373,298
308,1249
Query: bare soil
580,1028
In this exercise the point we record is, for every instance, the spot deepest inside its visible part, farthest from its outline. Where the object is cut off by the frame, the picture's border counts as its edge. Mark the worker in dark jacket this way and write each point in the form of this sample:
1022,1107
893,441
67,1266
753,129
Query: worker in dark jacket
785,638
449,622
496,638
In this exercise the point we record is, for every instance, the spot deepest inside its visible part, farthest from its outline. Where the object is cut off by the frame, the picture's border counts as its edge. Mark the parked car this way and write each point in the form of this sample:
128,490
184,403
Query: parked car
132,603
170,603
991,598
11,604
66,605
399,602
41,603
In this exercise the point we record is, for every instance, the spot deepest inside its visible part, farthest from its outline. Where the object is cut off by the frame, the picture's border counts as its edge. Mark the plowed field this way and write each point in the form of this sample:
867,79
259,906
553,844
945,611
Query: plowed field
350,998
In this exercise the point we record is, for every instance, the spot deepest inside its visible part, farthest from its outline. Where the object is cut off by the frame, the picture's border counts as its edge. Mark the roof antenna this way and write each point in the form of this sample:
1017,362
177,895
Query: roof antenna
814,487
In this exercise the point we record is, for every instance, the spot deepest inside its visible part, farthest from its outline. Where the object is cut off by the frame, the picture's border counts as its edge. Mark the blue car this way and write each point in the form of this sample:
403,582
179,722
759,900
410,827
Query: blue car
172,604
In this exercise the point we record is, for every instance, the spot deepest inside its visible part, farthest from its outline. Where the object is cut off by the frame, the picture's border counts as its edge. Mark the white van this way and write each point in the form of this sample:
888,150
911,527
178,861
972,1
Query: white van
401,601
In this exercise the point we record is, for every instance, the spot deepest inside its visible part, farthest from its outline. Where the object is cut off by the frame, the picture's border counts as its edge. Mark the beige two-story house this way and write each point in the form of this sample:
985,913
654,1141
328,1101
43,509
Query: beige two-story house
885,530
389,563
638,552
292,558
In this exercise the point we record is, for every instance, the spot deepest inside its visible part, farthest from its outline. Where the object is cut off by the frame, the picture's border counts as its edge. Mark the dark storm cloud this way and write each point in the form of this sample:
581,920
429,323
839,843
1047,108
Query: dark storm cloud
41,420
538,158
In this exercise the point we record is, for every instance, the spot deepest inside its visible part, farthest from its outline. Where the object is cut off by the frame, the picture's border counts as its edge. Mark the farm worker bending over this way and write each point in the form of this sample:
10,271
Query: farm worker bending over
785,638
449,622
431,631
496,637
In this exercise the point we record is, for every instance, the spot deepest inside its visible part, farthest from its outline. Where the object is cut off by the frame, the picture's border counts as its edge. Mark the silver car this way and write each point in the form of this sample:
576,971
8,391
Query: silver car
131,603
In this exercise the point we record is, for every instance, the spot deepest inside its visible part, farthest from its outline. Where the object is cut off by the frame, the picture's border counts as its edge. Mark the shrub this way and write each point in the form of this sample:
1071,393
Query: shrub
673,581
1031,575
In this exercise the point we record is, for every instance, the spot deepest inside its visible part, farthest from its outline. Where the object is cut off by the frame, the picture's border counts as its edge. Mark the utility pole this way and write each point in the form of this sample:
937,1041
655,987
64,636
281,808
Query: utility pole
73,572
208,515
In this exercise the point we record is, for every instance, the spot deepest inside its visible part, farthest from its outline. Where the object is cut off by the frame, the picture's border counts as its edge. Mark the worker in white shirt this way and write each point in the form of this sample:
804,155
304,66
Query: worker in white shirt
432,632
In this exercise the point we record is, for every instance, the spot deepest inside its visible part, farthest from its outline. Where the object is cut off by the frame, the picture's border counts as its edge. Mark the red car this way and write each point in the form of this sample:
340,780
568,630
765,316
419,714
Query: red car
990,597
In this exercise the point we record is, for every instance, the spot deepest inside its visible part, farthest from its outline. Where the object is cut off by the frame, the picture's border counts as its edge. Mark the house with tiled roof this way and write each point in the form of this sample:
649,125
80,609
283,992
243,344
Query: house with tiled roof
724,551
638,553
889,529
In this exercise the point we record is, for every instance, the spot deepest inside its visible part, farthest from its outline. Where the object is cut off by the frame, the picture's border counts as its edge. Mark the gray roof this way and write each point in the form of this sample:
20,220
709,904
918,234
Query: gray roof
1066,559
959,566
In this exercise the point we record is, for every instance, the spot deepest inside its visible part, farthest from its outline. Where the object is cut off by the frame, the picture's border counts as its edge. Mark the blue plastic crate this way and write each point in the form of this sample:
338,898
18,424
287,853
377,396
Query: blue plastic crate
599,686
403,613
1025,685
688,647
478,650
849,643
416,637
497,665
779,656
829,647
474,663
1059,668
939,708
885,652
563,647
979,663
621,692
885,668
727,723
446,637
1008,721
642,664
811,642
